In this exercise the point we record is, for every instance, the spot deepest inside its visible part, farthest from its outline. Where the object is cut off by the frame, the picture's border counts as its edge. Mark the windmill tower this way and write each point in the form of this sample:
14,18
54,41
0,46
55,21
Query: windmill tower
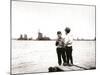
40,35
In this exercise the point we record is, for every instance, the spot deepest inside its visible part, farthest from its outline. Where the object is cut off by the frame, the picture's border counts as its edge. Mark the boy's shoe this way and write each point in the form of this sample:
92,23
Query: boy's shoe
65,64
70,64
59,64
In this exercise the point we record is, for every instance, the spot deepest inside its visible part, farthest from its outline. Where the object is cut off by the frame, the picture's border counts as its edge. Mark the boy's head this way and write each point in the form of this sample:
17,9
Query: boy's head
59,33
67,30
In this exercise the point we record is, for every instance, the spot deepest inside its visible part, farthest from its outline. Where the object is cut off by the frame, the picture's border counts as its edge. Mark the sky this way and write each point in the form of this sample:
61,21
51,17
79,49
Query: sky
30,17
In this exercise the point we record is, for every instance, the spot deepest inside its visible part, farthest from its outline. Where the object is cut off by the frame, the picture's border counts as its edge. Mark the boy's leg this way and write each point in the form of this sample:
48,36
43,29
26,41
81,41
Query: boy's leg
70,56
67,54
59,56
63,55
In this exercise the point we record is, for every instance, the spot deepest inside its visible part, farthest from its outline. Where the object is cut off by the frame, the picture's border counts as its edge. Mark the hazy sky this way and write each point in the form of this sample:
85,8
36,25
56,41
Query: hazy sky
29,17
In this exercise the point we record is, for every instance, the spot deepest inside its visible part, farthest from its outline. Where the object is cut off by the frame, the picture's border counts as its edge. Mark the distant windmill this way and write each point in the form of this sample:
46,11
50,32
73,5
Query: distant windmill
40,35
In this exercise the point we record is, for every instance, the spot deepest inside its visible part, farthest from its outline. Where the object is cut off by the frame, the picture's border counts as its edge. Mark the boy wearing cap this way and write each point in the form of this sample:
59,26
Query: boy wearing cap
68,46
60,48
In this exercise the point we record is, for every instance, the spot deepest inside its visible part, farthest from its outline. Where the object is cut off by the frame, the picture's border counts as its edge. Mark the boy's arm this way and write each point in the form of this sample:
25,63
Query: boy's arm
56,43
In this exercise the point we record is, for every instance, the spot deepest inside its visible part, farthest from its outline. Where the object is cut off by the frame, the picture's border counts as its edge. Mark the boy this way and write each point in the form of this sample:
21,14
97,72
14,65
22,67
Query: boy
68,46
60,48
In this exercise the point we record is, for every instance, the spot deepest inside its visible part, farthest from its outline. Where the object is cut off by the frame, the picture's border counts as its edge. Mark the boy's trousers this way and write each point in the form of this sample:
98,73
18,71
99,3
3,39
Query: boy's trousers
68,51
61,55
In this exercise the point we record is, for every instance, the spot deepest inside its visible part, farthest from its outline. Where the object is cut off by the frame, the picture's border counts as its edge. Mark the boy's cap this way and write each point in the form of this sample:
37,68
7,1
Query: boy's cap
58,32
67,29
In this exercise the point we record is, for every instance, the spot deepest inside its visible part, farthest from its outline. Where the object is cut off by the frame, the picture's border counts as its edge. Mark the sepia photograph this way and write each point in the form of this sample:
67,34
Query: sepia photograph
52,37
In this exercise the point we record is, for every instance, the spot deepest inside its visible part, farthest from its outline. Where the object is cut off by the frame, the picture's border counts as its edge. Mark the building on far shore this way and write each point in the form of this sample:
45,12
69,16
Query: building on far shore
24,37
40,37
21,37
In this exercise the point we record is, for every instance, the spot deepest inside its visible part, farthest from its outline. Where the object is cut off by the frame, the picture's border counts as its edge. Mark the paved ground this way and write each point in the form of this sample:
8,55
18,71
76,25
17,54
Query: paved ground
36,56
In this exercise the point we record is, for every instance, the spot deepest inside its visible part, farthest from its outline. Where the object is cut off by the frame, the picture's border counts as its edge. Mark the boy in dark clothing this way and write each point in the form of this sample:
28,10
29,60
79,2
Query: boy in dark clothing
60,48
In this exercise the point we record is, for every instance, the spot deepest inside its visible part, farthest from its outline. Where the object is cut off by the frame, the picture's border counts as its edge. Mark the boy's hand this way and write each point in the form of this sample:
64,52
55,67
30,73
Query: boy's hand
57,43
